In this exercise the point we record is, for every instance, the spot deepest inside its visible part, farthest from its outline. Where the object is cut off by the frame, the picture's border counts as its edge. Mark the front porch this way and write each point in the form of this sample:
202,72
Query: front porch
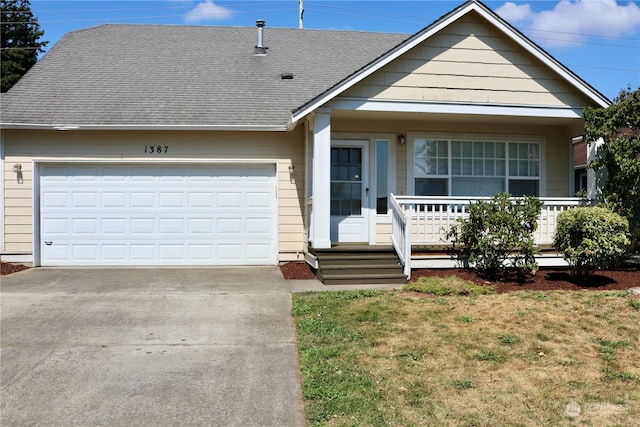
419,240
420,226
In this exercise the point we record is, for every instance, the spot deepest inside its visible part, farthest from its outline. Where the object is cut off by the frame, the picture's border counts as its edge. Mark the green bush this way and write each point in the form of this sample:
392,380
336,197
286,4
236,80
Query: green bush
591,238
498,234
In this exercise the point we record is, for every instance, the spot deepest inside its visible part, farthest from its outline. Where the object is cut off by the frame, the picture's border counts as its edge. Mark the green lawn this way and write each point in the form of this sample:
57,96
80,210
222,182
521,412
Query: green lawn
374,358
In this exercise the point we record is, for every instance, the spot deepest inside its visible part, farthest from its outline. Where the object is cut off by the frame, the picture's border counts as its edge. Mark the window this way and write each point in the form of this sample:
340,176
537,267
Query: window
346,181
382,176
475,168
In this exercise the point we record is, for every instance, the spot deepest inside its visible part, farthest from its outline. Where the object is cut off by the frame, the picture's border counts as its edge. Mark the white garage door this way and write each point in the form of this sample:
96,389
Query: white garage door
157,215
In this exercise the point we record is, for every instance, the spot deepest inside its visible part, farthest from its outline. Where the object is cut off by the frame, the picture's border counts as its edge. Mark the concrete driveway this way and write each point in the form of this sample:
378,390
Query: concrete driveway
148,347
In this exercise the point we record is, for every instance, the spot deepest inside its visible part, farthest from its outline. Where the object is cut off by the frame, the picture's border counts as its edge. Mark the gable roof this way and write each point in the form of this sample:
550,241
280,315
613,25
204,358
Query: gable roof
158,76
438,25
189,77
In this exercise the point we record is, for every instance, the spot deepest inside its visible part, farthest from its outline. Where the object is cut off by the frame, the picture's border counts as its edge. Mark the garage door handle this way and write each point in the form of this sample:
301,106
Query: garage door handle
48,243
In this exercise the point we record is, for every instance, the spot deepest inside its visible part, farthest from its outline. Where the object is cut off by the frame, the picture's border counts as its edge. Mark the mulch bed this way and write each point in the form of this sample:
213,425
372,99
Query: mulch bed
7,268
297,271
543,280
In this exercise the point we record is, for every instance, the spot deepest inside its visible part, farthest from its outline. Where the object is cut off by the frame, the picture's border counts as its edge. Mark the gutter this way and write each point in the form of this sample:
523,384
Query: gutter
67,127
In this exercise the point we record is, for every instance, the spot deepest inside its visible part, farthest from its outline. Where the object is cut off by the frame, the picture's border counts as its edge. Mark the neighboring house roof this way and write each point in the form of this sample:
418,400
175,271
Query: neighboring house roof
155,76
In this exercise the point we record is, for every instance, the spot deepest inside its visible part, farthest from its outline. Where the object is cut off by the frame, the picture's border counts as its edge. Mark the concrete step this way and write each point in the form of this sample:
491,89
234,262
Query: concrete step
386,260
364,279
359,264
353,269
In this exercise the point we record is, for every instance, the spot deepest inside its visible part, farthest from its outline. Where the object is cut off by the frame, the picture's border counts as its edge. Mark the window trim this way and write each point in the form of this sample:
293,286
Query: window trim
449,136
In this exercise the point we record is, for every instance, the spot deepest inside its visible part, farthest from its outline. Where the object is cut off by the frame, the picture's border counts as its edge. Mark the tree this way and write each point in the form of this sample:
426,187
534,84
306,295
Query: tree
20,41
619,127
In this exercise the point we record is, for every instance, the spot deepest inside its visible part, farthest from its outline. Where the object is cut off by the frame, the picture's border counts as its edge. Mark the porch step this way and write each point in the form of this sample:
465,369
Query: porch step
364,279
359,264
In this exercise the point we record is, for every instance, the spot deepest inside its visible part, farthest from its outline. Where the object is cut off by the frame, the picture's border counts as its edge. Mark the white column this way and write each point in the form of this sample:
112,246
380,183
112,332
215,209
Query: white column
2,218
321,210
595,179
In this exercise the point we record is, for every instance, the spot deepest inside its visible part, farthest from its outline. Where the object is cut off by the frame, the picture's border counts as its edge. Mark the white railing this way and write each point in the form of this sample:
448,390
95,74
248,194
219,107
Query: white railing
401,233
426,220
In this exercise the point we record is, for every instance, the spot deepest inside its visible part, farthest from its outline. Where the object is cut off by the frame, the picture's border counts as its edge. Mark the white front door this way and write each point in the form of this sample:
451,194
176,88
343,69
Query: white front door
350,191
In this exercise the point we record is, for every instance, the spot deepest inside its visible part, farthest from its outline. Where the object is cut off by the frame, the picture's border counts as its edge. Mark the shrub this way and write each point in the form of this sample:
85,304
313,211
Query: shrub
498,234
591,238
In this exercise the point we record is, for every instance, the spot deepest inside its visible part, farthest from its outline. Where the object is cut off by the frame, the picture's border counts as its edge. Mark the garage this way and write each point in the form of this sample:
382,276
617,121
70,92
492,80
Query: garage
157,214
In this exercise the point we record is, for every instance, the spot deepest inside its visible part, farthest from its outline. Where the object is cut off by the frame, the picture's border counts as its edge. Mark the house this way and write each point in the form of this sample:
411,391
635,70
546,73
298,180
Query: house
182,145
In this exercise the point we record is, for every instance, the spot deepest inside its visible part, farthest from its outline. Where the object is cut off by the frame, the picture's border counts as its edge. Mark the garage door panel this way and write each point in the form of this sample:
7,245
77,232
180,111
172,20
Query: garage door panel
114,199
86,226
114,252
158,215
55,199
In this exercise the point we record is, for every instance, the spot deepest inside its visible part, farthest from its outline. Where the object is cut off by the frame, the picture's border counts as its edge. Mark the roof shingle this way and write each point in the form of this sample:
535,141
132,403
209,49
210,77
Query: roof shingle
156,75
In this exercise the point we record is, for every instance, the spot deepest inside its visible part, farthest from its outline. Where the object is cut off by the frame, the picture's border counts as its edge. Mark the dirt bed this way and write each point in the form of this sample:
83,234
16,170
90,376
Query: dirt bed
7,268
543,280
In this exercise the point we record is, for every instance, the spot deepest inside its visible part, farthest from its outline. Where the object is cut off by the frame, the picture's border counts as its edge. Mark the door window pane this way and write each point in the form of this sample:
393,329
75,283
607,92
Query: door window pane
346,198
346,181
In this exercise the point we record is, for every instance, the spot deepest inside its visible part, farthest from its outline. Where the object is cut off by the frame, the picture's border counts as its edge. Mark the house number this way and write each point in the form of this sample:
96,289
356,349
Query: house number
158,149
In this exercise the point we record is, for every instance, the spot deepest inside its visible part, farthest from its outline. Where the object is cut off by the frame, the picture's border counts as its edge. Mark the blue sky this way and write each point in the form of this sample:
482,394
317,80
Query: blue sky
597,39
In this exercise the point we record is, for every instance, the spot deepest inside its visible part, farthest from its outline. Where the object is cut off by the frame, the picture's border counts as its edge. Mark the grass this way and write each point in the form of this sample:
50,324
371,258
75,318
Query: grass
373,358
451,286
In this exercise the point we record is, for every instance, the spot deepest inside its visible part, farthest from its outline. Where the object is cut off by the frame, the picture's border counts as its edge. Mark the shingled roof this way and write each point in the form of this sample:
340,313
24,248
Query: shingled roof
186,76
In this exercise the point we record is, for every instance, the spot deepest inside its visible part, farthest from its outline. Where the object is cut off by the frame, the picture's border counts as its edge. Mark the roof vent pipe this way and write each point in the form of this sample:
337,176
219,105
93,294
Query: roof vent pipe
260,49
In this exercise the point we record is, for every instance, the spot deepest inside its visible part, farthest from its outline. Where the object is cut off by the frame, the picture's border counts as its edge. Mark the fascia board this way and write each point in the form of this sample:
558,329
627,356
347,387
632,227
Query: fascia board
68,127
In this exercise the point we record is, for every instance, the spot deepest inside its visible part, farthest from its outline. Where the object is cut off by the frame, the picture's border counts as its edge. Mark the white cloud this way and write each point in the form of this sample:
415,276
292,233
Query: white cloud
571,19
206,11
514,13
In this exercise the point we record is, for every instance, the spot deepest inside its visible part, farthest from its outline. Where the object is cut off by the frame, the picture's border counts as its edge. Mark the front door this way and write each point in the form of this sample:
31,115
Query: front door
350,191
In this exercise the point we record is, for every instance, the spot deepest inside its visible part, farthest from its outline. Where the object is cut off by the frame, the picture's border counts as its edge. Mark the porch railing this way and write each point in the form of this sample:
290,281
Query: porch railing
425,220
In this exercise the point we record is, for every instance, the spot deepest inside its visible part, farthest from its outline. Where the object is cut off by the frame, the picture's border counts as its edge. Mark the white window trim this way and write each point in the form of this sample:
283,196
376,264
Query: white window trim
476,137
391,175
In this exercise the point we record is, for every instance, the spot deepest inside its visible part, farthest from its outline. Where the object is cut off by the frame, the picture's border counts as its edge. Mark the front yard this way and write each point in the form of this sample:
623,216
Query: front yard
520,358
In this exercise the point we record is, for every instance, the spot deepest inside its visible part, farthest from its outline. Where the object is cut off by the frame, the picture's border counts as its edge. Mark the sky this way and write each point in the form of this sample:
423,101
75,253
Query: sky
599,40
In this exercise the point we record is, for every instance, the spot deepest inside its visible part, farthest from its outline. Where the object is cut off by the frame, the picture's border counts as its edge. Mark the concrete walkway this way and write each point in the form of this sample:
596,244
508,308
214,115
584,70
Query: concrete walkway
148,347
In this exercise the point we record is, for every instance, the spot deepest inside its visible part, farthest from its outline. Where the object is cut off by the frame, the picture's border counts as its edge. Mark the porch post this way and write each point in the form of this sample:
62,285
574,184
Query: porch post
321,210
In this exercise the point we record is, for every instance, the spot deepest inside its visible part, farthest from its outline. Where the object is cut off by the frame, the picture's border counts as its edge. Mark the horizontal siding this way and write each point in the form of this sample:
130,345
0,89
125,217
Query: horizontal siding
383,234
24,146
469,61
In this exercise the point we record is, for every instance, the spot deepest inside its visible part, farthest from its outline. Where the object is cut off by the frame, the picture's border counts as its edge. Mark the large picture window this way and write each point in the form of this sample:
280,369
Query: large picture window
444,167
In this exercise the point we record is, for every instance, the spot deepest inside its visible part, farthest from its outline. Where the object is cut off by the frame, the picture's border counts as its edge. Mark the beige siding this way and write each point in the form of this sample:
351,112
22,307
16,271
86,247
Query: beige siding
383,234
469,61
26,146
